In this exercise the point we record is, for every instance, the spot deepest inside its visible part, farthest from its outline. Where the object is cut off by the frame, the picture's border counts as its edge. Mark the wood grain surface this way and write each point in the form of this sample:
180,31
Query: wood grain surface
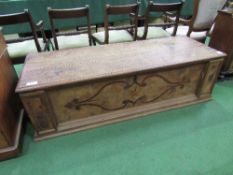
77,65
88,100
71,90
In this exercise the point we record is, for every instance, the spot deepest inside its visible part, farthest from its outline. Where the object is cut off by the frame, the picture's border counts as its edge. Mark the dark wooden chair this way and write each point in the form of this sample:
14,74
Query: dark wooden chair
81,38
116,34
150,31
204,13
19,48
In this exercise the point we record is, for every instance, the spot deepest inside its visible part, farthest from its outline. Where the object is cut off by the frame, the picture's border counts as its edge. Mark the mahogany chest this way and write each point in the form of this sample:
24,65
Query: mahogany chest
222,38
11,116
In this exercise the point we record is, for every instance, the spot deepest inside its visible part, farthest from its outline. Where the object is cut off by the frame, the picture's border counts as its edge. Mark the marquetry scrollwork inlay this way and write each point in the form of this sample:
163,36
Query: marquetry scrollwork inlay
129,86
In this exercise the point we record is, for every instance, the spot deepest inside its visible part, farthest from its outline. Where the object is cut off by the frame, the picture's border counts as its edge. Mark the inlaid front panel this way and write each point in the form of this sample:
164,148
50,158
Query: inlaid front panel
76,102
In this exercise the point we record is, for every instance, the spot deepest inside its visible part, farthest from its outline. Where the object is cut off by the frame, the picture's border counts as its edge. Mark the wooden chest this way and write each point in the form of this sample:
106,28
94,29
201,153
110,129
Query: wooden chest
10,123
70,90
222,38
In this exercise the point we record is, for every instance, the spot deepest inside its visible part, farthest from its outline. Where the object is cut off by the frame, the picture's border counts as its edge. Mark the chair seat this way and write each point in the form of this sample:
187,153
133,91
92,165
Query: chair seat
18,69
115,36
72,41
183,30
153,32
21,49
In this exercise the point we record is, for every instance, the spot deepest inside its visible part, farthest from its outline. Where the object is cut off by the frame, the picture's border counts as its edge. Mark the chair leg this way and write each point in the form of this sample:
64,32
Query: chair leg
50,44
93,41
96,28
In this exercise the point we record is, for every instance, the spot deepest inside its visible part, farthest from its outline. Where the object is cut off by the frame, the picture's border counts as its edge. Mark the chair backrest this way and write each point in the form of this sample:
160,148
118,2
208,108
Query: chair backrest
204,13
55,14
130,9
17,18
164,8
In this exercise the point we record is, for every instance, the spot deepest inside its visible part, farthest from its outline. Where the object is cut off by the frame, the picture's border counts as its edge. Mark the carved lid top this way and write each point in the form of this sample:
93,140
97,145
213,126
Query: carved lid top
49,69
